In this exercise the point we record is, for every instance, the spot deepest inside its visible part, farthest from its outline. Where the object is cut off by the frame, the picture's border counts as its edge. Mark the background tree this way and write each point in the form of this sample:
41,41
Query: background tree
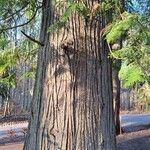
119,9
15,23
135,48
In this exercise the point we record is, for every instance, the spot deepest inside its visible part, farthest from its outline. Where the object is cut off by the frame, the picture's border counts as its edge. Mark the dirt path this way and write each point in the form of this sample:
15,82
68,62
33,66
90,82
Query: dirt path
139,140
12,147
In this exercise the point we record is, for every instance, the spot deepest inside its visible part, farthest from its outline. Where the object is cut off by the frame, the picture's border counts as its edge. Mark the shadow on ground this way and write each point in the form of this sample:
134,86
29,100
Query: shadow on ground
142,143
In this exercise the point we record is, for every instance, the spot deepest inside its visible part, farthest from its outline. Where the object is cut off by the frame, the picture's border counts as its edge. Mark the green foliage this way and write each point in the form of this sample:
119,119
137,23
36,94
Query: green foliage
8,59
119,27
13,47
130,75
134,29
105,6
30,73
3,42
28,50
9,80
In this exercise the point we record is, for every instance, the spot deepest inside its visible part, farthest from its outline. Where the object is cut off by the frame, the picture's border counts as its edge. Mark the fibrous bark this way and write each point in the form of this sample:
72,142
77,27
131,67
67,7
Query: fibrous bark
72,107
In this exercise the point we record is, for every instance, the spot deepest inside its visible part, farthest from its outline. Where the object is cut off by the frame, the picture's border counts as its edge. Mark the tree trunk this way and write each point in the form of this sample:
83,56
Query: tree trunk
116,90
72,107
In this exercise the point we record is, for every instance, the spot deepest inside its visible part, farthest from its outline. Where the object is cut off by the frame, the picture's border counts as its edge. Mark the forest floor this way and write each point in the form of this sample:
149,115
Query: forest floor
133,138
136,132
137,140
128,141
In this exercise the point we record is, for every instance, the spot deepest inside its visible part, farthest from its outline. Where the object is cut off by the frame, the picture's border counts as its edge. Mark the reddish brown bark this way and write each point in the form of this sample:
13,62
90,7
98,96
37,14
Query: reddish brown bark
72,104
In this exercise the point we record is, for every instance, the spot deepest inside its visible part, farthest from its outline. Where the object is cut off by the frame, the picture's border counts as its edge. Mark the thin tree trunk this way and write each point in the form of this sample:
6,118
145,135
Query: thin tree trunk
116,88
72,107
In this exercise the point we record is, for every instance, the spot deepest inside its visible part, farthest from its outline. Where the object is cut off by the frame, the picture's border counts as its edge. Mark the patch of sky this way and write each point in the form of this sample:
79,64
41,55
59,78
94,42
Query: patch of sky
138,6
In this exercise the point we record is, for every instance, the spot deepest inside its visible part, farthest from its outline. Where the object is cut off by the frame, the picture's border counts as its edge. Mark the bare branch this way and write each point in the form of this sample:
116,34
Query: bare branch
32,39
